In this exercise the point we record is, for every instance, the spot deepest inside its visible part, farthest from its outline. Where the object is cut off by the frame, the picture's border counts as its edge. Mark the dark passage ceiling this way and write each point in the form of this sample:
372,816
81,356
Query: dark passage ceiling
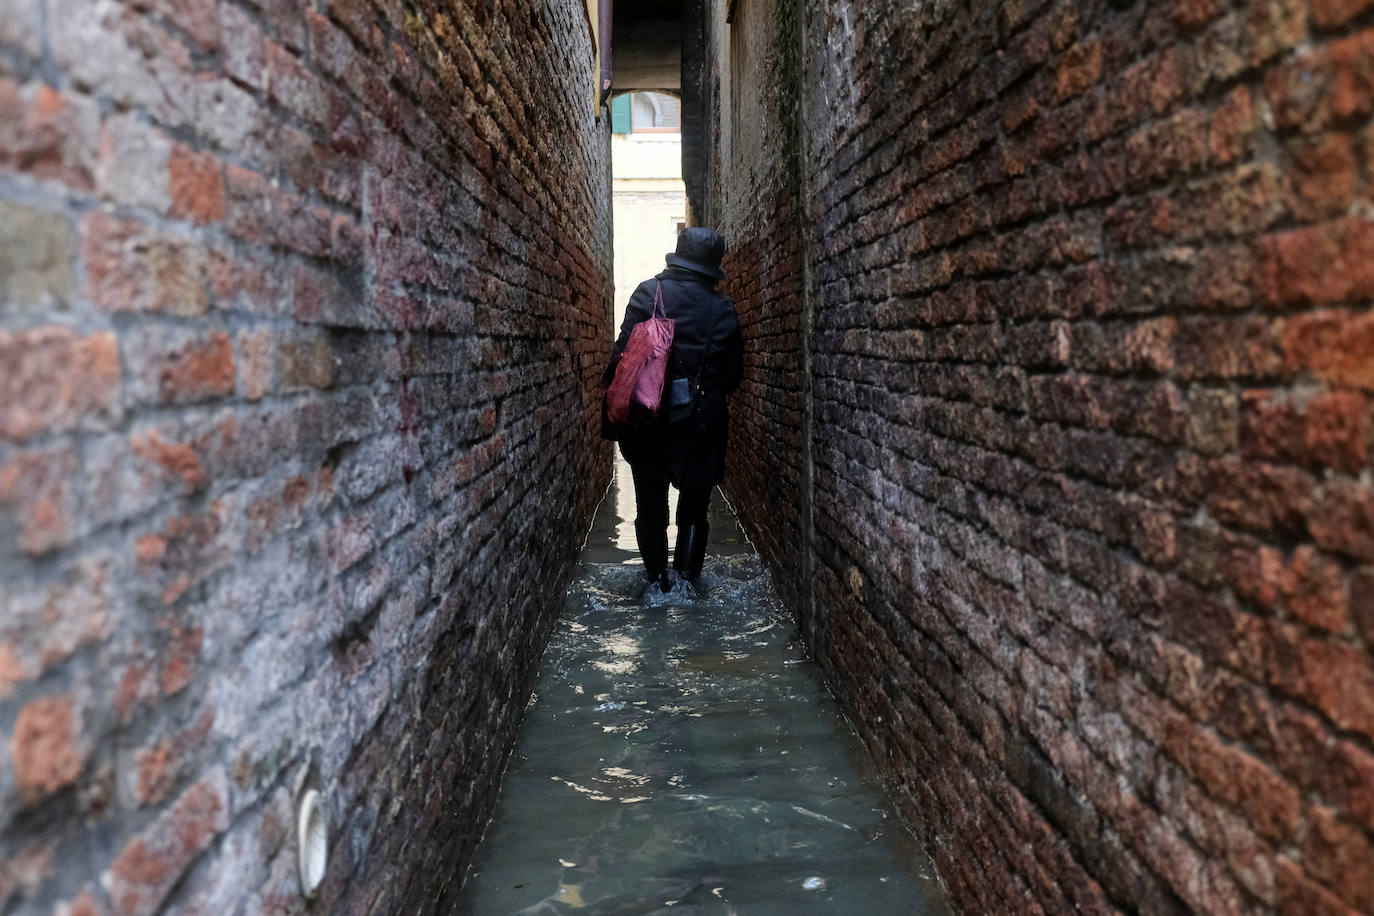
646,45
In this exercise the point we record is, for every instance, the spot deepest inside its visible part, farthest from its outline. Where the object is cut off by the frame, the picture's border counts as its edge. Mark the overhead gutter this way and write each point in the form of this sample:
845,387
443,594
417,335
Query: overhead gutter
606,8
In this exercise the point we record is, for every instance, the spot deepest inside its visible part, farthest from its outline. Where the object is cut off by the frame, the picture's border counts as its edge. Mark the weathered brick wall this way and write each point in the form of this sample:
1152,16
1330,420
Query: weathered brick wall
1087,331
753,161
302,309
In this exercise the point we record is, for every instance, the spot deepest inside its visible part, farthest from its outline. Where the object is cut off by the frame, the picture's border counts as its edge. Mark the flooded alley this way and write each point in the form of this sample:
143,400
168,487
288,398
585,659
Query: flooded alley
681,754
1032,344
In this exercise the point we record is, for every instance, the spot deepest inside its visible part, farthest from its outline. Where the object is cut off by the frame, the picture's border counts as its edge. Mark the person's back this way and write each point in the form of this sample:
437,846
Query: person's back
708,352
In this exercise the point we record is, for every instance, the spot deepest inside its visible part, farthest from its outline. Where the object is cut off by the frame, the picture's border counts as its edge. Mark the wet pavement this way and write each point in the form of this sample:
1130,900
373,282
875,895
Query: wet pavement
681,755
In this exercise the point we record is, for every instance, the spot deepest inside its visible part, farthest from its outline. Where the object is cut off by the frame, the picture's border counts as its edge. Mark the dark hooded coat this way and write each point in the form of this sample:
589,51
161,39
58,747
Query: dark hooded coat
690,453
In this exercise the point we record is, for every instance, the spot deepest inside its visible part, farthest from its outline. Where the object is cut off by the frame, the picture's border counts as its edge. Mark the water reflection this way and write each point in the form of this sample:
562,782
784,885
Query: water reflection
683,756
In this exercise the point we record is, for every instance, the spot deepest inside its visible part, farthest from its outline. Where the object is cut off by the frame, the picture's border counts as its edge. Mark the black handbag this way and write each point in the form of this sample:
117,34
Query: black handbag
680,400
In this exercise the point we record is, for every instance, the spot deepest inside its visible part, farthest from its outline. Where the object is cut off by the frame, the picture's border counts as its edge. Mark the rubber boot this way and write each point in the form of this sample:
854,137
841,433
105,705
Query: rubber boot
653,548
692,551
680,551
665,584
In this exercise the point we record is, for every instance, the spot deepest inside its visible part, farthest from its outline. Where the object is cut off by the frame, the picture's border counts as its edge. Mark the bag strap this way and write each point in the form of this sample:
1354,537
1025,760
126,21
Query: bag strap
710,332
659,310
706,357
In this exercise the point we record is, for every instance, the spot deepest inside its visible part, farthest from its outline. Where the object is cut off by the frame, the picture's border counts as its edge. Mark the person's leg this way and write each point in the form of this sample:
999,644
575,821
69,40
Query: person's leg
651,524
693,503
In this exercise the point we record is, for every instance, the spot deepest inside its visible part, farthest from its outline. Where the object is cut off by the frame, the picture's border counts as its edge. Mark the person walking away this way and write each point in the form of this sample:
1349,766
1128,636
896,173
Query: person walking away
708,350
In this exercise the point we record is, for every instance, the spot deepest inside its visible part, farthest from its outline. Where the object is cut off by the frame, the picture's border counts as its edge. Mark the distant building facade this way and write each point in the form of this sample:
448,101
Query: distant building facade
650,200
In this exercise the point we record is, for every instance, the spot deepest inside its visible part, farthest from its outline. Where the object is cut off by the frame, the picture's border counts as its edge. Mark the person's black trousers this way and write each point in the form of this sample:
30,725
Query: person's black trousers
651,525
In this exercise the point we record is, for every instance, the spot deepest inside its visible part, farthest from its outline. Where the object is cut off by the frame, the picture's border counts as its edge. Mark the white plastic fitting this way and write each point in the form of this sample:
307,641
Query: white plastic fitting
313,840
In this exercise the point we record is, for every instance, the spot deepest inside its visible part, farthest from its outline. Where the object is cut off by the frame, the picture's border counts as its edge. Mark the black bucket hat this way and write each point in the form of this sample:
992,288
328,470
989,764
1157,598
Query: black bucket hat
701,250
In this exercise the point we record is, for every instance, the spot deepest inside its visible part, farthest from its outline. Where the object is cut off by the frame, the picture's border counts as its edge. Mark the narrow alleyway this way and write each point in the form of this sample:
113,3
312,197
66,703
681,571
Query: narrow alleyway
681,755
1054,438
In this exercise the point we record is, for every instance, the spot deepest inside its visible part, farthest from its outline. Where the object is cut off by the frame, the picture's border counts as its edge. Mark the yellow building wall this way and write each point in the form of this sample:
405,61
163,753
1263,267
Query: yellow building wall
649,202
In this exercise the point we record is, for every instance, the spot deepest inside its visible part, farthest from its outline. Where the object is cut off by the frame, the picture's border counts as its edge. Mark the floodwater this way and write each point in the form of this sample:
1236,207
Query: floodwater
681,755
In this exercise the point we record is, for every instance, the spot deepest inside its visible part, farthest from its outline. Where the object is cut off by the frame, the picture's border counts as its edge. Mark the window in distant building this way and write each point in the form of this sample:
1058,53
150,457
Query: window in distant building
656,111
620,114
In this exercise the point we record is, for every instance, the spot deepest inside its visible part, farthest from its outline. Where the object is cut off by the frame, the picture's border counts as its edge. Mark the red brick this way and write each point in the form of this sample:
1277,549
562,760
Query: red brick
1329,86
49,134
1190,14
151,863
175,459
1274,26
1244,347
1338,856
1267,801
1233,126
40,487
1320,430
1173,147
56,380
1325,176
1301,897
153,781
254,287
1336,347
1338,770
1326,264
196,185
1336,678
1317,593
197,370
132,267
1343,520
1255,572
178,659
1078,68
312,165
135,688
1332,13
259,212
1262,498
1240,202
1337,429
359,17
43,747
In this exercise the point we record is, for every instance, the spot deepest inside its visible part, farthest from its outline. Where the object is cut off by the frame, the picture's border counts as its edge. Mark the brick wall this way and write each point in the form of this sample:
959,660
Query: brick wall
302,308
753,178
1067,420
